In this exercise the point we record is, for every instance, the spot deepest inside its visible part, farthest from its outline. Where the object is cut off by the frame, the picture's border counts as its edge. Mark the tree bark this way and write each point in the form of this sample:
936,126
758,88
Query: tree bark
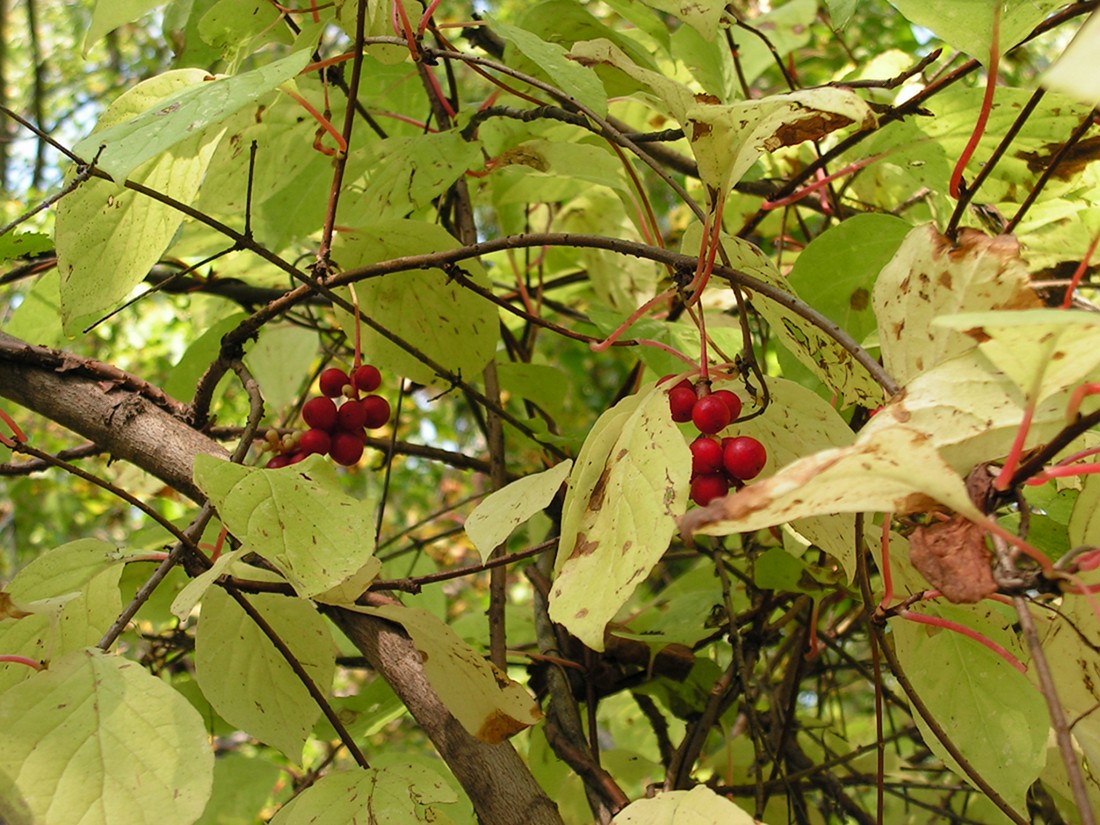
133,428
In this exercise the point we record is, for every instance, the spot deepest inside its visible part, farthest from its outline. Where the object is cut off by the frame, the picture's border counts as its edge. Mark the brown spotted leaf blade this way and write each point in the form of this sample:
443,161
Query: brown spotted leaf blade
895,469
489,705
953,558
627,489
927,278
1042,351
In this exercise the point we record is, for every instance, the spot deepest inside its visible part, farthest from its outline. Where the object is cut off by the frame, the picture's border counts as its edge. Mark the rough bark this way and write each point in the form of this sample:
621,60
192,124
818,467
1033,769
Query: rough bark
133,428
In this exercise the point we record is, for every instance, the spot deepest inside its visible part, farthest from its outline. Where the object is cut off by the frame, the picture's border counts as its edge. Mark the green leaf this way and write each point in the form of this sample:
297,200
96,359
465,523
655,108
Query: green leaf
176,118
66,569
245,678
23,245
298,518
930,277
97,739
702,15
110,14
1084,521
449,324
38,318
578,82
841,11
1077,72
699,806
395,795
409,173
967,25
627,487
836,272
489,705
494,519
243,785
108,238
282,354
988,708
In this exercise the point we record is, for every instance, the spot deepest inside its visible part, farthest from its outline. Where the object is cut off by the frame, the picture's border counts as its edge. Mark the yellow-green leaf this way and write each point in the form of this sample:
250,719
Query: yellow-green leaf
626,490
699,806
499,514
97,740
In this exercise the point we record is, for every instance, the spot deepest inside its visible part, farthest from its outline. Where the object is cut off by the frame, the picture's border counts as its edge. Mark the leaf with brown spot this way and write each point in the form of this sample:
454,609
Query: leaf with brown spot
984,273
953,558
489,705
875,474
628,486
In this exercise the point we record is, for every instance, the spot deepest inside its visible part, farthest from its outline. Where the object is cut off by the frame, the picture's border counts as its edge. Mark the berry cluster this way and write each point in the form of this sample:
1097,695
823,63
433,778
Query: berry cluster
340,430
716,463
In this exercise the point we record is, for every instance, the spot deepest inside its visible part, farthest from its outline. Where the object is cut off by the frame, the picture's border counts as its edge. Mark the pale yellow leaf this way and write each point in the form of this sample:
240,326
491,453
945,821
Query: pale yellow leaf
499,514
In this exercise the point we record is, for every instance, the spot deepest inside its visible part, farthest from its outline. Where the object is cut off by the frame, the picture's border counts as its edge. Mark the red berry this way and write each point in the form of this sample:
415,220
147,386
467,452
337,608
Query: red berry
275,462
346,449
681,401
710,414
732,402
352,415
744,457
298,456
367,378
707,487
315,441
332,381
377,411
706,456
320,413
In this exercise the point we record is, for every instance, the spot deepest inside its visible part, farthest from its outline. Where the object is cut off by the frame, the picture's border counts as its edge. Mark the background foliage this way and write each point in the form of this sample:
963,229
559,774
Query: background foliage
871,221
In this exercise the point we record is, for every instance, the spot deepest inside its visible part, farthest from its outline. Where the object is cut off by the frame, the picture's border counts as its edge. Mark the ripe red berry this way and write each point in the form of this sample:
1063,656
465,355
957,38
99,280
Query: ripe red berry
275,462
681,401
377,411
707,487
706,456
320,413
346,449
744,457
710,414
332,381
298,456
352,415
315,441
732,402
367,378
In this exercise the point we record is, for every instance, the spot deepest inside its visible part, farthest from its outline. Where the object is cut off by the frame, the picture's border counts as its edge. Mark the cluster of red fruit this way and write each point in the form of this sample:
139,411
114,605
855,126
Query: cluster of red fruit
340,430
716,464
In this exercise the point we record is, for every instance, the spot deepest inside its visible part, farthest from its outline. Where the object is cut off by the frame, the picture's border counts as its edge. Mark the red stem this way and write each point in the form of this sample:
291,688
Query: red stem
987,104
969,632
21,660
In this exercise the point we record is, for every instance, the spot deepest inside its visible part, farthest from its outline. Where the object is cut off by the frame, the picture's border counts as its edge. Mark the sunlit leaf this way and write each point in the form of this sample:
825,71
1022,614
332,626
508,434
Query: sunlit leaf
1042,351
409,173
503,511
297,518
489,705
97,739
108,238
627,487
245,678
930,277
110,14
699,806
875,474
968,24
178,116
395,795
1077,72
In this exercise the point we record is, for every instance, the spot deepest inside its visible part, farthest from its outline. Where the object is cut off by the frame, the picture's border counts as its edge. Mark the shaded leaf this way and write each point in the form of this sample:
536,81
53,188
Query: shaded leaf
489,705
968,24
627,487
96,739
